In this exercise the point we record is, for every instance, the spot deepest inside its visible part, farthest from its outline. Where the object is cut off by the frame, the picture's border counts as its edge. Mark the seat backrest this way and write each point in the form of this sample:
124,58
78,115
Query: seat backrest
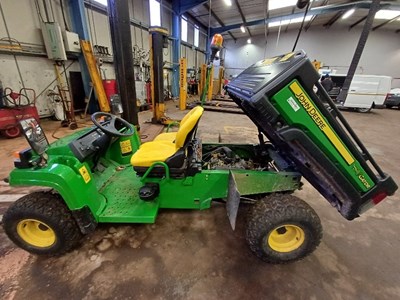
187,125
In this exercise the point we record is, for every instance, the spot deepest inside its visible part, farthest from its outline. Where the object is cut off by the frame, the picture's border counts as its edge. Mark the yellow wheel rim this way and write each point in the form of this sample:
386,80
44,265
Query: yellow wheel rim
286,238
36,233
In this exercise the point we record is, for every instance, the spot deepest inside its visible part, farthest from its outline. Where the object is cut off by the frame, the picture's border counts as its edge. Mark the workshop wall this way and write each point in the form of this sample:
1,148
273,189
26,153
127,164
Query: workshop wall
37,72
333,47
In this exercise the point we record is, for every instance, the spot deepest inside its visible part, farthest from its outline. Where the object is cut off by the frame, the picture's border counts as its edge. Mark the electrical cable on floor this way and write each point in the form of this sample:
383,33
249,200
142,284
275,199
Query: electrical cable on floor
84,125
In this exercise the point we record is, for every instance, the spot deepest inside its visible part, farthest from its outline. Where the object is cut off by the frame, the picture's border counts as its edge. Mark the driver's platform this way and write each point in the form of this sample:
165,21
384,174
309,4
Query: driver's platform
123,204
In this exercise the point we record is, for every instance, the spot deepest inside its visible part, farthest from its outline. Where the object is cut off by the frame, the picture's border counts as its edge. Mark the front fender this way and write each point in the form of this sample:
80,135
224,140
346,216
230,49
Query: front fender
77,189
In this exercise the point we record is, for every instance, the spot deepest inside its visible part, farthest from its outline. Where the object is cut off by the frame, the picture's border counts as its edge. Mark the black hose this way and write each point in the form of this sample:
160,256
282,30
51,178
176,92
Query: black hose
301,26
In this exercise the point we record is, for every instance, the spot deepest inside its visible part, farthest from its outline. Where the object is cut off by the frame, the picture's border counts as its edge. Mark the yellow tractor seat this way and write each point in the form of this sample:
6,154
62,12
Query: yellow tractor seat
170,136
166,136
168,151
152,152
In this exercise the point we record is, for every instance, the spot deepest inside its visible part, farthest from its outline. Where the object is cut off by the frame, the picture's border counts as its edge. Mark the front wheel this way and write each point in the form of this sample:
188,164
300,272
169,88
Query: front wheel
364,110
283,228
41,223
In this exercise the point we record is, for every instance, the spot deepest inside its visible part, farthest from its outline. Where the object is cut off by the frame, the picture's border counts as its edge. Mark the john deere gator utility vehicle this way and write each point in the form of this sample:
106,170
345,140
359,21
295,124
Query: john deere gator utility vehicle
104,174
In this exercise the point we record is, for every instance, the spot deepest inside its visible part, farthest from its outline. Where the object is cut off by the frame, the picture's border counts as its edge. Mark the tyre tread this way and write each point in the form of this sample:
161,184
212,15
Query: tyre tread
268,212
52,207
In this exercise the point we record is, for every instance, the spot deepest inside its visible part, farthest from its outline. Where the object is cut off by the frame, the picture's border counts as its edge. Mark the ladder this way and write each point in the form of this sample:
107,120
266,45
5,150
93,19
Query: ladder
95,76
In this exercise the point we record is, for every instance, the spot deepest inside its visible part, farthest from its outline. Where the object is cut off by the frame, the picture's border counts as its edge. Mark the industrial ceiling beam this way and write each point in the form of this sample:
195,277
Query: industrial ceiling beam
242,15
320,10
314,17
218,20
182,6
385,23
195,21
201,15
334,19
358,22
310,22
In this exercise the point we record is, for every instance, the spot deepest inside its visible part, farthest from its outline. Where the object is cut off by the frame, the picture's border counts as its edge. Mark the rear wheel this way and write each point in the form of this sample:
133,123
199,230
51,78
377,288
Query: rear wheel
283,228
41,223
389,106
12,132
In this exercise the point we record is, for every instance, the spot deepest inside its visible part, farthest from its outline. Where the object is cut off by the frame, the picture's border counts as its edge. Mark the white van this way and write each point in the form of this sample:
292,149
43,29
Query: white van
365,93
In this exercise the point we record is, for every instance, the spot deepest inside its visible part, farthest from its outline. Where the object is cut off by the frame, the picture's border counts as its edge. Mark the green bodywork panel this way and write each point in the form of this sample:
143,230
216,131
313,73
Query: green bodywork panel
298,109
111,189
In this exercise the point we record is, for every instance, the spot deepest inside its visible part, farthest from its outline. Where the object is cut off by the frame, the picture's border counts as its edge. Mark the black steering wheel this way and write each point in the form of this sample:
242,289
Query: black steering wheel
112,125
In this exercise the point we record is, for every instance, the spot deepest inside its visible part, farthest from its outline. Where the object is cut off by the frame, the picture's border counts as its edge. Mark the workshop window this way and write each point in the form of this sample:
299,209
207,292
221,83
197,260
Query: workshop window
196,36
184,31
155,13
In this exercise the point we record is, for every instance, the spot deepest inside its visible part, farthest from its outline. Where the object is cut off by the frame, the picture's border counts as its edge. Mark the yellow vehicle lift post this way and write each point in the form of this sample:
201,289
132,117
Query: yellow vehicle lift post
95,76
210,84
182,83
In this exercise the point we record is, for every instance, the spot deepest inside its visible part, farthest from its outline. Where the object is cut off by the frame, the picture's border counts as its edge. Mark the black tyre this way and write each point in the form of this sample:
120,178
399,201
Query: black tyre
389,106
41,223
283,228
364,110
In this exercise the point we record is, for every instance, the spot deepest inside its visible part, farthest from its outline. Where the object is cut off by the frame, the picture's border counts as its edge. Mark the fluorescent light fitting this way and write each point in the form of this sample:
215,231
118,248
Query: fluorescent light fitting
228,2
276,4
290,21
249,41
242,29
386,14
348,13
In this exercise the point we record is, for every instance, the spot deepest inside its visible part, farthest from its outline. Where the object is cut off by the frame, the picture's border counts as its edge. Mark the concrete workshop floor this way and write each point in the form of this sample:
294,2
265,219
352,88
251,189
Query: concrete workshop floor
195,254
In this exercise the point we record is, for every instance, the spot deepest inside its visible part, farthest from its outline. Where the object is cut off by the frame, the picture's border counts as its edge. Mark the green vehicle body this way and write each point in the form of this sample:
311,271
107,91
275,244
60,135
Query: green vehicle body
111,194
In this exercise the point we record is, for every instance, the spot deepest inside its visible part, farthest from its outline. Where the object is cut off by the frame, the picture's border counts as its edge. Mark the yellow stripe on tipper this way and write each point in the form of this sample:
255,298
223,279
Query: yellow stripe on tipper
287,56
268,61
320,122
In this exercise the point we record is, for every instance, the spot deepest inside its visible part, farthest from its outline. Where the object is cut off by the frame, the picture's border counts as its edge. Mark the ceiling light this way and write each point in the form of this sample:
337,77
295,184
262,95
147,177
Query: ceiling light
228,2
348,13
242,29
249,41
386,14
276,4
290,21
